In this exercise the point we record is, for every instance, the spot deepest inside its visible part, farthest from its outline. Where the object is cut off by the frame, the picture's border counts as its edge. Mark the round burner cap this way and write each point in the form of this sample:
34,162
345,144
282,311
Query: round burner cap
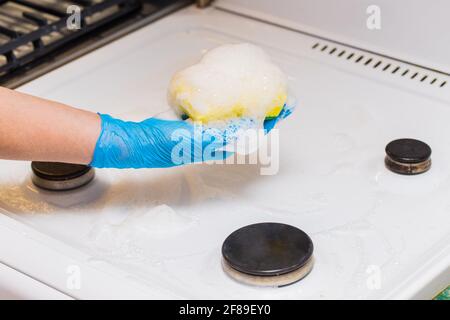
267,249
57,171
60,176
408,151
408,156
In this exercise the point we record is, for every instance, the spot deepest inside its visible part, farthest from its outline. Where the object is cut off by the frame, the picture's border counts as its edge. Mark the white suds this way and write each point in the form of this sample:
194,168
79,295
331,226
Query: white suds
234,80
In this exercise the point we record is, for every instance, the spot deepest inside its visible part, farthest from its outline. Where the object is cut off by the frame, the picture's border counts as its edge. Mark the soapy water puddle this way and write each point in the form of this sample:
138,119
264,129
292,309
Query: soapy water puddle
127,215
112,229
25,198
424,183
131,238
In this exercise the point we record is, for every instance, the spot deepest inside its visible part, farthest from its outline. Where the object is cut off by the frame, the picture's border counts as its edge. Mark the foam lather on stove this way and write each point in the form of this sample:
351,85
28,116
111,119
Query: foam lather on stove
236,132
230,81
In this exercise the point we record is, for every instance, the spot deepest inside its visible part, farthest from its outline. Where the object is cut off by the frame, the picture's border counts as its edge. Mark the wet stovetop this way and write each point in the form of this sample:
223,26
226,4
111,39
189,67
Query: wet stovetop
159,233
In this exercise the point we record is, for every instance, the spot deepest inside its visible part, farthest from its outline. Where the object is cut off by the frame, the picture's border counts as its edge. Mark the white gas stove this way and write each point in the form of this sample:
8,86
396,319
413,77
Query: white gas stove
158,233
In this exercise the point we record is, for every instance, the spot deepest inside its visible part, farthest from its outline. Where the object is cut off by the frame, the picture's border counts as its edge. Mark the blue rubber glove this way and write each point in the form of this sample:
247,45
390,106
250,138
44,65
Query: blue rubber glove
157,143
270,123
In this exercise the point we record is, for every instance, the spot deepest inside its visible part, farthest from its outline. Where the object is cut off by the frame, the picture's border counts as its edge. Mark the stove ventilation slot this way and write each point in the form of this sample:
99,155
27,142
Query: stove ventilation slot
383,65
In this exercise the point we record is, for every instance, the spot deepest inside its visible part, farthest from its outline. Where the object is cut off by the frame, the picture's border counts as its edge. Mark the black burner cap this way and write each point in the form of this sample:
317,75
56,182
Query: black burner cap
56,171
408,151
267,249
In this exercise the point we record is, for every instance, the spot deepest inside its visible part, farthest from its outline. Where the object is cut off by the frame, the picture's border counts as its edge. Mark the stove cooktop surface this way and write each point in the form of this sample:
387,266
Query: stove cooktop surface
158,233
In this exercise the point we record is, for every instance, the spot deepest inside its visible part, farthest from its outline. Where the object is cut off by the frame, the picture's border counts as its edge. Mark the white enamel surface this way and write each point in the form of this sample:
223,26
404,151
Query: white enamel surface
158,233
412,30
15,285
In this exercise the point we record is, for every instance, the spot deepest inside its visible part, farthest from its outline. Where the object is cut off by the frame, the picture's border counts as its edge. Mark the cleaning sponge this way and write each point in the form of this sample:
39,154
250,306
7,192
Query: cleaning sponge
230,81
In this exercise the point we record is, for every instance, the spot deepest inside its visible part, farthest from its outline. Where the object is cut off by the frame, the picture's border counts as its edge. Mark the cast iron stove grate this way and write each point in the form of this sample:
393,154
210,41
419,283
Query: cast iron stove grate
35,39
30,29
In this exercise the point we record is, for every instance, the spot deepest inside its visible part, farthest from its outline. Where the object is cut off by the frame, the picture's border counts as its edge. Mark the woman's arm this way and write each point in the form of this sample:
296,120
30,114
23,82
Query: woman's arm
36,129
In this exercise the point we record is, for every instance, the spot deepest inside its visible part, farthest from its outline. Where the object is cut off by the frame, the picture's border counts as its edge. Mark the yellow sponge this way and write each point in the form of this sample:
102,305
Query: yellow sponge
186,110
230,81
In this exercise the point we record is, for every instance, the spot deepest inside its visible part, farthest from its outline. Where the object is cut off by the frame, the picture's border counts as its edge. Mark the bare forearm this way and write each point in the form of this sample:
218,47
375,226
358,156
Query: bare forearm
36,129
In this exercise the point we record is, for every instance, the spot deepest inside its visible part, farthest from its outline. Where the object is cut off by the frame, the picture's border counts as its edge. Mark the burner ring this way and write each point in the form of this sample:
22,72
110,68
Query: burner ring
272,254
408,156
56,176
407,168
281,280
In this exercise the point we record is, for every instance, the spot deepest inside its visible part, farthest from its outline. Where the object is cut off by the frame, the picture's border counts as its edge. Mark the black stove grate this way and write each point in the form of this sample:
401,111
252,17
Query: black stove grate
30,29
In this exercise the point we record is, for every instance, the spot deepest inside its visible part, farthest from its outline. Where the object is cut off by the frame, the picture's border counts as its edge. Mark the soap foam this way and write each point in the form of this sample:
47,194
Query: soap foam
129,237
233,80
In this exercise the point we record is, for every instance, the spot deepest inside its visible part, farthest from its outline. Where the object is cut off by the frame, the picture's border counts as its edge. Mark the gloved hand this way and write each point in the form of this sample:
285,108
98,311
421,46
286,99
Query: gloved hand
157,143
285,112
